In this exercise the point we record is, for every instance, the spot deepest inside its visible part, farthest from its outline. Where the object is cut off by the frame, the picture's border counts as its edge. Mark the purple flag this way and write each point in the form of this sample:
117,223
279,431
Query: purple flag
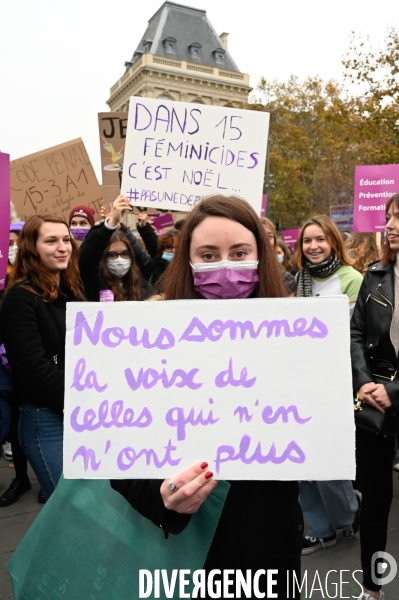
4,215
374,185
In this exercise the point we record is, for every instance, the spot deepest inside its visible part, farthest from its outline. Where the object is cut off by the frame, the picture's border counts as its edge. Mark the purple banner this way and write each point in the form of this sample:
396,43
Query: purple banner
374,185
264,205
290,236
4,215
162,221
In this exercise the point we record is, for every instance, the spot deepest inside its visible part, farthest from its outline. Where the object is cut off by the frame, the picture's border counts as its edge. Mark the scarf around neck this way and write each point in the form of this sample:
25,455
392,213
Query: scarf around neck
322,270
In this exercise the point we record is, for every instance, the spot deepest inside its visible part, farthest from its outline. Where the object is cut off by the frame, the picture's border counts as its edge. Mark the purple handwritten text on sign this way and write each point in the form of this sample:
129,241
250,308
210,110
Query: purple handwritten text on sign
117,411
114,336
374,185
175,417
227,453
176,154
128,456
155,388
199,332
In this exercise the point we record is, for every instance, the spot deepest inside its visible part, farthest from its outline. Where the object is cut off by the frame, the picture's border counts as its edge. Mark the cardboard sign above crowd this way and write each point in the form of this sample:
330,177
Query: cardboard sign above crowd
112,129
150,390
54,181
176,153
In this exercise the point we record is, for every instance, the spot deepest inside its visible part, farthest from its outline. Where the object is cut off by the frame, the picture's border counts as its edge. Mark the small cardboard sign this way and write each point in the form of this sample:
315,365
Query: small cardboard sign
245,385
4,215
112,130
177,153
374,185
54,181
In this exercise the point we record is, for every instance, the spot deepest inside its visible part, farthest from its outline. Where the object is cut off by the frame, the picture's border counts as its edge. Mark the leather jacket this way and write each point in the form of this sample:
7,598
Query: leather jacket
372,350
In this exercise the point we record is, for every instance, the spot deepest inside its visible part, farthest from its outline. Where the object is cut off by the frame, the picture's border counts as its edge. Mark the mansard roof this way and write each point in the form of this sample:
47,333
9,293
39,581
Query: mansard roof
183,33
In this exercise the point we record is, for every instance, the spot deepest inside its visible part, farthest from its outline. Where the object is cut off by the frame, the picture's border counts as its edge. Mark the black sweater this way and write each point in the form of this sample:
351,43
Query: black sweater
33,333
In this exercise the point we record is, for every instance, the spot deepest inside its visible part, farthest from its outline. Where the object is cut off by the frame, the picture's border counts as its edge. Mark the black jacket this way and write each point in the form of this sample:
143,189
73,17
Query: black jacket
159,265
149,238
91,253
371,346
288,280
33,333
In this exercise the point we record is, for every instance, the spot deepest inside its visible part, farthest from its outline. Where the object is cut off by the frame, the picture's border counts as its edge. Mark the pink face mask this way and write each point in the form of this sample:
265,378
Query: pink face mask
226,279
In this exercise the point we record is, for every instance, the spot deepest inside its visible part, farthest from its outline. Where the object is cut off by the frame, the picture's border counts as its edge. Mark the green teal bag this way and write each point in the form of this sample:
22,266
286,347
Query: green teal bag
88,543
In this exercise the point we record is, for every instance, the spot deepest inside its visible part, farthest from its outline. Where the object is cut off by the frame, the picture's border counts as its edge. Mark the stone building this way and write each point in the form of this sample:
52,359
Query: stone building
181,57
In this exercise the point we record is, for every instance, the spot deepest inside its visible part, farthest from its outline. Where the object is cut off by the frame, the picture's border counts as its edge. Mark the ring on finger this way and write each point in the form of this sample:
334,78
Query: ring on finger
172,487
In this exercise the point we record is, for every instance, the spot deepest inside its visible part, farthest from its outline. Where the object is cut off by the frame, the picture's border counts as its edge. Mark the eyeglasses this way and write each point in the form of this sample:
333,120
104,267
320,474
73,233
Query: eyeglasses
115,255
170,248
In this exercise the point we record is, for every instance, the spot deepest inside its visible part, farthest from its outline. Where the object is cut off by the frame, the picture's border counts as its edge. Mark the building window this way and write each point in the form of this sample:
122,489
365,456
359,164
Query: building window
219,55
169,44
195,51
147,45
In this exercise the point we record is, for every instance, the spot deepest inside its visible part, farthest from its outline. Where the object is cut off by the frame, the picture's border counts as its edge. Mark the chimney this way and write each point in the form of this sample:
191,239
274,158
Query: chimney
223,36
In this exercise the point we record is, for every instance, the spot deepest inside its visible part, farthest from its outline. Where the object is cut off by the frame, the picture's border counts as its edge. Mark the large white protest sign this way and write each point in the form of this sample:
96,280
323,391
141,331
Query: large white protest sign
176,153
260,389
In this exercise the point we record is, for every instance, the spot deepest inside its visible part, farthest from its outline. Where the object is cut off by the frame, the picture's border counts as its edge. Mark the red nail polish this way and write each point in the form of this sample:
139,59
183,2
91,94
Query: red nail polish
204,465
208,475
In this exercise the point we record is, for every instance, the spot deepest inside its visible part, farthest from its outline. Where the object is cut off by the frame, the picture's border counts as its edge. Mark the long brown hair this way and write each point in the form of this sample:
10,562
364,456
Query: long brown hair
177,281
333,237
362,248
388,254
29,267
131,289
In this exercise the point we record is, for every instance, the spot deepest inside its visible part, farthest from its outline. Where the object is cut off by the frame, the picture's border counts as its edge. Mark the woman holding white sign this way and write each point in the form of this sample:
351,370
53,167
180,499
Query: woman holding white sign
375,365
325,270
32,320
223,253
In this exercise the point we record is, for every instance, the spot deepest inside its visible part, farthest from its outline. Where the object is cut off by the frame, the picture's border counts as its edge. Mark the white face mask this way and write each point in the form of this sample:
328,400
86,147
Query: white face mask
280,258
12,253
120,266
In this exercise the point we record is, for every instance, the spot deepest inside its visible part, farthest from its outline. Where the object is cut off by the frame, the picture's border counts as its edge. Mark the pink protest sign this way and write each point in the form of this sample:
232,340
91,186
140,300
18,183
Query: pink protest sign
290,236
4,215
162,221
374,185
264,205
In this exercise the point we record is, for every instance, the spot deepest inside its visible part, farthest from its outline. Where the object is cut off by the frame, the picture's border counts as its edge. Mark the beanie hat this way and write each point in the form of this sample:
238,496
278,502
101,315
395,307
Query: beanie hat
82,211
17,226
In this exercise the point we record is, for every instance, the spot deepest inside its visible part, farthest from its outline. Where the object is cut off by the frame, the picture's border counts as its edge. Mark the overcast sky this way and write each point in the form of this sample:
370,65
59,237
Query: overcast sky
59,59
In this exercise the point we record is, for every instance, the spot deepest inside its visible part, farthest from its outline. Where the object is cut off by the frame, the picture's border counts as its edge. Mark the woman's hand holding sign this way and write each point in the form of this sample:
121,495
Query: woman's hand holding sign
118,209
188,490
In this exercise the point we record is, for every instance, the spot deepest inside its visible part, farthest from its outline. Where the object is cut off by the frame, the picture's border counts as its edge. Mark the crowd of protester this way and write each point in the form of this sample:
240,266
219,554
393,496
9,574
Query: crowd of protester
221,250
